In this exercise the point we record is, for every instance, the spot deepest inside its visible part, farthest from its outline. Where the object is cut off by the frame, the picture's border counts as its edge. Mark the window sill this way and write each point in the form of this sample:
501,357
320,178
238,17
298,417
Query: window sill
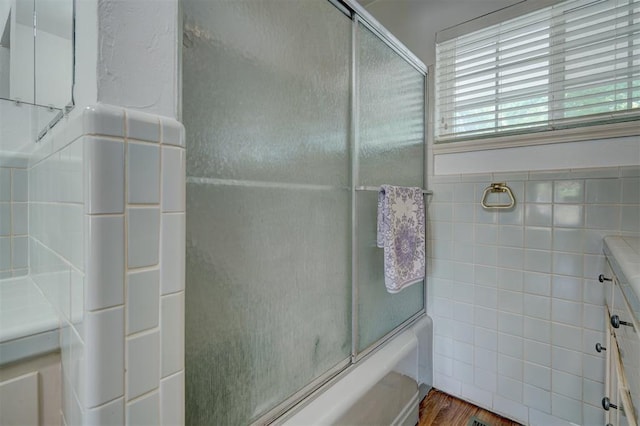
603,131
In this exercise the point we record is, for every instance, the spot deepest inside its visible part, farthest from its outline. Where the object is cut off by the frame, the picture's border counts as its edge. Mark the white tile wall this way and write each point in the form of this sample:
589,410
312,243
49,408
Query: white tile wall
14,252
514,298
101,200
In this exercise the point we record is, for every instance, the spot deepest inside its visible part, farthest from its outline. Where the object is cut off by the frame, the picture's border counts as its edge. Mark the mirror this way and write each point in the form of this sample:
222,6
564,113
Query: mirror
36,63
36,51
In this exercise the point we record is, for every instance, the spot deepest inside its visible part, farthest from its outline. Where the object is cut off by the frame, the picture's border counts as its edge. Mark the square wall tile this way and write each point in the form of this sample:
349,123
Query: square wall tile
144,411
479,396
537,238
538,214
513,216
538,192
104,357
172,328
511,236
537,306
510,388
603,191
537,352
143,236
567,312
143,300
104,176
5,184
566,336
537,329
537,398
173,179
539,418
568,264
510,345
568,288
594,368
103,120
105,262
592,391
566,408
511,409
141,126
568,239
143,173
538,376
510,366
568,191
5,253
630,191
566,360
510,279
487,380
486,234
19,185
20,252
595,414
510,301
172,132
602,217
5,219
111,413
630,218
143,364
537,283
568,216
19,218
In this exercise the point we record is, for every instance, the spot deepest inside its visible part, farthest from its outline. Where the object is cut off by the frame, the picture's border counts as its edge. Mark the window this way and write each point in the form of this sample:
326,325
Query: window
573,64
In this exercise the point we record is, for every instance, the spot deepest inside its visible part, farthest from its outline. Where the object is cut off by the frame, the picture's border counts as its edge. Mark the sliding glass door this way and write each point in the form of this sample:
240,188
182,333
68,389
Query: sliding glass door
268,107
390,151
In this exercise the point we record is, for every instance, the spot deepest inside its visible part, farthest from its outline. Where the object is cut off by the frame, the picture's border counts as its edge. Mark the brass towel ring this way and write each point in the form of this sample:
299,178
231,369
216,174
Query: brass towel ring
496,188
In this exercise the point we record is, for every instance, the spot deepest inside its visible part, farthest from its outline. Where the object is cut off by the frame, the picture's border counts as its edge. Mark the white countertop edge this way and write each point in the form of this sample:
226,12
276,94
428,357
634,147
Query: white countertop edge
625,251
29,346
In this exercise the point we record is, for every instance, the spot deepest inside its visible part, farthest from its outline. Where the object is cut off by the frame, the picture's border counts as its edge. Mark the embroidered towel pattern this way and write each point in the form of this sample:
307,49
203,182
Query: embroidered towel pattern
401,233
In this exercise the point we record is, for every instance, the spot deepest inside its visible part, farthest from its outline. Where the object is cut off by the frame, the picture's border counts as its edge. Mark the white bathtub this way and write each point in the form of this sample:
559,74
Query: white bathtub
382,389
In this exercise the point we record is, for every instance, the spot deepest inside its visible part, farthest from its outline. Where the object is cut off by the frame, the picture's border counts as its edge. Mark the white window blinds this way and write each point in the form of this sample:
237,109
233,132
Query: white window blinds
572,64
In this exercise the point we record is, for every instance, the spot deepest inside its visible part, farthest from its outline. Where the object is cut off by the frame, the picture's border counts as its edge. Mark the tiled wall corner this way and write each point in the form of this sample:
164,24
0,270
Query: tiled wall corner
155,205
127,314
514,297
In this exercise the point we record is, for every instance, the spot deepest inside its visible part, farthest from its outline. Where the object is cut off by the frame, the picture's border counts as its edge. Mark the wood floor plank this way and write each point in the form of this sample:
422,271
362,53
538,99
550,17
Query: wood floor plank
441,409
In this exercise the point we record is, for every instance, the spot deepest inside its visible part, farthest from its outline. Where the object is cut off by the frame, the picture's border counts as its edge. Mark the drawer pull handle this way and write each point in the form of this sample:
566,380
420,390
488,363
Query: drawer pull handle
606,404
602,278
616,322
600,348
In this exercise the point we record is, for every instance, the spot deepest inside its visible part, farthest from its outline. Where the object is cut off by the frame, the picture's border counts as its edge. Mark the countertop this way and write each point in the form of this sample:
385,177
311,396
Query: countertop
624,255
28,323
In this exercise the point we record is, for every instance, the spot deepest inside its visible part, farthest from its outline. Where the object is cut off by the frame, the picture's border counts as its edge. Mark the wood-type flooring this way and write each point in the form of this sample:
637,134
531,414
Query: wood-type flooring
441,409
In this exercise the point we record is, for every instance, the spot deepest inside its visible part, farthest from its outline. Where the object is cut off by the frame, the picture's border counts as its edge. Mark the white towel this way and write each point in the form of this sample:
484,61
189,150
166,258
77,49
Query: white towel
401,233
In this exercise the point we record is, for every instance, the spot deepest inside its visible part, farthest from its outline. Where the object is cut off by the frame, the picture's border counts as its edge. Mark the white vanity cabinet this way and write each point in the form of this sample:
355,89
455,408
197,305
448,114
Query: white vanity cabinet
30,392
622,386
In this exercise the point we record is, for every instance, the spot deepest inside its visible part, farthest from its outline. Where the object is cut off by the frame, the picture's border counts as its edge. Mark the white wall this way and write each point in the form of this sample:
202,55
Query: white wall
127,54
138,62
415,22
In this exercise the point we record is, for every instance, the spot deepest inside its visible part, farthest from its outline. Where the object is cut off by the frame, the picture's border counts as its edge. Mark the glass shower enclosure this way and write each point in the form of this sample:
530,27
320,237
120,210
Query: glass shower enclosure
289,107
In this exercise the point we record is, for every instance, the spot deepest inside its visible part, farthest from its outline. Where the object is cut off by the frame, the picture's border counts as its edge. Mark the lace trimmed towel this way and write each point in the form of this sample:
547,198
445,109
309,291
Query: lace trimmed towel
401,232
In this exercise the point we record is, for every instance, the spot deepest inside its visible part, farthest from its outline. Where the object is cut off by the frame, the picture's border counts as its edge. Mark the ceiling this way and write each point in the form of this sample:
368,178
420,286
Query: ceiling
416,22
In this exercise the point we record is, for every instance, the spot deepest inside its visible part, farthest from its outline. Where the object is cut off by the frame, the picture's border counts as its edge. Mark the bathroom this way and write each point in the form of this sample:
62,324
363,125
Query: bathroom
121,213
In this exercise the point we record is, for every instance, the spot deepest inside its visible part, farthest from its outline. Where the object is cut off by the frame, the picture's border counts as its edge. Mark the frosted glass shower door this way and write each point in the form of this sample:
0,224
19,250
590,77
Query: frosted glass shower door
266,111
391,151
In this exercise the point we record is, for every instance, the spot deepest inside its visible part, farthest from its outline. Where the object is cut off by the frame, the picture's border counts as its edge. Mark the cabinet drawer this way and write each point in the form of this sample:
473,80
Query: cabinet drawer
628,341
